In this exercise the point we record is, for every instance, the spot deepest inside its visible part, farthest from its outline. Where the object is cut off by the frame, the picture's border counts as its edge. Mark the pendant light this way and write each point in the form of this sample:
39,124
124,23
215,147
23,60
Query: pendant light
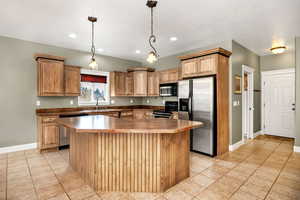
152,56
93,64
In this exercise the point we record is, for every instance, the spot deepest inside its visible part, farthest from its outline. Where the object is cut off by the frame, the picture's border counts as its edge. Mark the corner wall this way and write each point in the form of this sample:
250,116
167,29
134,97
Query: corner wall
243,56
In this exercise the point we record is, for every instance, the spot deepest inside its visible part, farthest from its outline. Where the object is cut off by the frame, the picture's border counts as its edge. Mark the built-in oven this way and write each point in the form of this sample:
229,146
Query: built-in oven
168,90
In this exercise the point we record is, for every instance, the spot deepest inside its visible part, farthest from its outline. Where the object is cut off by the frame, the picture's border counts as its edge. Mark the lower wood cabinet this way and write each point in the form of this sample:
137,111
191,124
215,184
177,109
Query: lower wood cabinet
142,114
48,133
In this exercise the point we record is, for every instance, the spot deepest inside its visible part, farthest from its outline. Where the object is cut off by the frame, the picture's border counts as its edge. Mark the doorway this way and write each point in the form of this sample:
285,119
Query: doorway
278,102
248,101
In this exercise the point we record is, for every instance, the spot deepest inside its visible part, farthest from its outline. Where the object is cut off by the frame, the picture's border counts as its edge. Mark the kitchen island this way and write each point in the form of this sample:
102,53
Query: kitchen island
113,154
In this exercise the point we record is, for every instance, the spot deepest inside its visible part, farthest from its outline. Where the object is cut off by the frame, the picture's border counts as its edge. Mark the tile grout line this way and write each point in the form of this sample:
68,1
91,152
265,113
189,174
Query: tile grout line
278,175
36,193
254,172
56,177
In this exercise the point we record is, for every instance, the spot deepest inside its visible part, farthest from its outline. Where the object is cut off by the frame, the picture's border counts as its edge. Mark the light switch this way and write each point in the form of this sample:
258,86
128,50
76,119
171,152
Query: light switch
38,103
235,103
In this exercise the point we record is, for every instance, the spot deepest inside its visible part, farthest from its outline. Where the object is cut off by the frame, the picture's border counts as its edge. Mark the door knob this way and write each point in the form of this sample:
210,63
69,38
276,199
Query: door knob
293,109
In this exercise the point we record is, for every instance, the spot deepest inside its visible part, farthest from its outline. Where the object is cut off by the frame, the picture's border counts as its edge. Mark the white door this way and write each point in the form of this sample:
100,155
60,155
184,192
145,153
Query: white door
279,104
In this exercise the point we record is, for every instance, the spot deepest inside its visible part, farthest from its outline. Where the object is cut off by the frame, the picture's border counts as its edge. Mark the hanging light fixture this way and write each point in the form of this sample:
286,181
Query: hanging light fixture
93,64
152,56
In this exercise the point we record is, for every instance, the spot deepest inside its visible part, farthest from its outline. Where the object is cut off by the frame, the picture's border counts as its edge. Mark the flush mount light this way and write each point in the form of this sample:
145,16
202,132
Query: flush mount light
138,51
173,39
153,55
93,64
100,50
72,35
278,50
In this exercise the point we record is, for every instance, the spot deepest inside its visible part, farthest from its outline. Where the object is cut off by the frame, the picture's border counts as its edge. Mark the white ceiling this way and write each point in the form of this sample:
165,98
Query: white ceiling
123,26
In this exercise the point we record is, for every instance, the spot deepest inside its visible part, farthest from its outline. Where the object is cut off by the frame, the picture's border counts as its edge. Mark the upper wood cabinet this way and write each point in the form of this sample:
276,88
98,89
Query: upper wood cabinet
129,84
168,76
201,66
153,83
140,83
117,83
72,81
50,79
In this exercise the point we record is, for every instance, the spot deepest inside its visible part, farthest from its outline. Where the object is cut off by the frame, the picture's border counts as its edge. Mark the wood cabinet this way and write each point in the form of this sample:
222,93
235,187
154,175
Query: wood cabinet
117,83
140,81
142,114
205,65
50,79
126,114
153,84
48,133
129,84
168,76
72,81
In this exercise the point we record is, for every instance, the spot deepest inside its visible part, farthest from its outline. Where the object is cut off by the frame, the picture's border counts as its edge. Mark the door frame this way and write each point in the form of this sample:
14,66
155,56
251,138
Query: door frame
250,72
264,74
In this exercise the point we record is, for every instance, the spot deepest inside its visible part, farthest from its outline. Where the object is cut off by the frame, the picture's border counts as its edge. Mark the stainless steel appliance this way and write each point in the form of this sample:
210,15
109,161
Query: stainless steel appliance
197,102
168,89
170,106
64,137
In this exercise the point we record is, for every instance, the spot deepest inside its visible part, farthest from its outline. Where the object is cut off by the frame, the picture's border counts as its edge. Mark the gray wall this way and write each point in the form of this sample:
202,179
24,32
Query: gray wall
297,130
278,61
243,56
18,86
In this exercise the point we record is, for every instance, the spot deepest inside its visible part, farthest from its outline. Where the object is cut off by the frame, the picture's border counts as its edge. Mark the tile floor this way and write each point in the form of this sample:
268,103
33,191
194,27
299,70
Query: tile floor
264,168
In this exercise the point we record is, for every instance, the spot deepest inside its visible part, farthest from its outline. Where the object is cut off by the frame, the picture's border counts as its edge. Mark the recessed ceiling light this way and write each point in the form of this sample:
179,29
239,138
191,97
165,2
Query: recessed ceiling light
100,50
138,51
72,35
173,39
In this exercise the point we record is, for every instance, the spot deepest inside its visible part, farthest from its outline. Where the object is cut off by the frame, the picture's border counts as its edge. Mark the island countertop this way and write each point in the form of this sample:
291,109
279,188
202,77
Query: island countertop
105,124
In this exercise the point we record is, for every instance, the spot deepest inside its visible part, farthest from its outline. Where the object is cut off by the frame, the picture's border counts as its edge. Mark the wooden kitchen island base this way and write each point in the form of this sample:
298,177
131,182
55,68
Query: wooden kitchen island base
113,154
132,162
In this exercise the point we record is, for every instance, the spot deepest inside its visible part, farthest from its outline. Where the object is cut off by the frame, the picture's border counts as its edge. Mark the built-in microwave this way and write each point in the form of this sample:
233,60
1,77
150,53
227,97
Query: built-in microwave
168,90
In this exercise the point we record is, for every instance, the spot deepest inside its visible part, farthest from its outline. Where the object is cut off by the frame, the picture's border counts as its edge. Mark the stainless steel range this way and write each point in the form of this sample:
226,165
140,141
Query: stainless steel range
170,106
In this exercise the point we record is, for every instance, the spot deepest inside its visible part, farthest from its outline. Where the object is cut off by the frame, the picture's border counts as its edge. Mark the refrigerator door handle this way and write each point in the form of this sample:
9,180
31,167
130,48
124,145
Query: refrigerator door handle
190,108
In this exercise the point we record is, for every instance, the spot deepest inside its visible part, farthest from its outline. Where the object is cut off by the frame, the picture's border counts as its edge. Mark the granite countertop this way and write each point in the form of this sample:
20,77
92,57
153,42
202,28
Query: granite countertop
105,124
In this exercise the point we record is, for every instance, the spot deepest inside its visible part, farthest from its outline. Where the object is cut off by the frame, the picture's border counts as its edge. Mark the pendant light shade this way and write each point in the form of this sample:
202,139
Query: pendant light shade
93,64
152,56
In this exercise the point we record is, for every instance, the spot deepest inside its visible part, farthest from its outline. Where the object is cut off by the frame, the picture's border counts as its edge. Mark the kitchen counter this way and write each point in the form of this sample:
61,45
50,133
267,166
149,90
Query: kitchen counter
105,124
113,154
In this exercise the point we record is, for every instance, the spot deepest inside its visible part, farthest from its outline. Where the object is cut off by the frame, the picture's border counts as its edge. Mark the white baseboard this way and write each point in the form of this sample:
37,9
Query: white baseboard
257,134
18,148
236,145
297,149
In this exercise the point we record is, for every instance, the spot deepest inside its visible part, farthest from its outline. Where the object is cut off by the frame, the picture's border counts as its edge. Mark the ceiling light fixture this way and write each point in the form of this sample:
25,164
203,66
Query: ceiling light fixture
72,35
100,50
278,50
138,51
93,64
173,39
152,56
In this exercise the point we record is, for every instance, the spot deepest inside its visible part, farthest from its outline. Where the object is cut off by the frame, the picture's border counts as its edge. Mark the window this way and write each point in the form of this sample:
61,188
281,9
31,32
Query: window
94,86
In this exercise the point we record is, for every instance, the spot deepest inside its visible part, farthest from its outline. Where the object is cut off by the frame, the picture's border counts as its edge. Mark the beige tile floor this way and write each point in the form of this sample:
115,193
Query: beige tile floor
264,168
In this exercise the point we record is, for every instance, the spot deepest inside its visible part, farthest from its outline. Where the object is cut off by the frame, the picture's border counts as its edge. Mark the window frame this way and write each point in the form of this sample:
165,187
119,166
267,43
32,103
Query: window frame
96,73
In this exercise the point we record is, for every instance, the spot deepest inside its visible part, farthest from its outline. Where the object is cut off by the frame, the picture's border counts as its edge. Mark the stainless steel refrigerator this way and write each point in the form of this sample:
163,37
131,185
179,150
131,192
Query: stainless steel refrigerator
197,102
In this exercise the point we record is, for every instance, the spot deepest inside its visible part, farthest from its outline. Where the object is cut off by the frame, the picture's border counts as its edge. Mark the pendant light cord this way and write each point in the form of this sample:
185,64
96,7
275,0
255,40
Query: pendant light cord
93,45
152,37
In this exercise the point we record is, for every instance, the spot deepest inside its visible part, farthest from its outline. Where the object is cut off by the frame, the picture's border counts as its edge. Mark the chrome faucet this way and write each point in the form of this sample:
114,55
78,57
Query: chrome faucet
97,103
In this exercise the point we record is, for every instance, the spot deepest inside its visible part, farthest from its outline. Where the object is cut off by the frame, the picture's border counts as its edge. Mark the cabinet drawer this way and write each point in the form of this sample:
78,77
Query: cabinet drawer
48,119
126,113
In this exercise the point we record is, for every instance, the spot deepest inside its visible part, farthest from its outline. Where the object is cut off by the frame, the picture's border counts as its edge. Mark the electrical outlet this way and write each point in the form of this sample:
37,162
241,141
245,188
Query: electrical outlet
38,103
112,101
131,100
71,102
148,101
164,102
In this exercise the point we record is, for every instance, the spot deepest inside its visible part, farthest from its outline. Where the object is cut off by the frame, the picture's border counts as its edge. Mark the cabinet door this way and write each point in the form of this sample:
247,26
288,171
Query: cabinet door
172,75
120,83
72,81
180,73
207,65
153,84
129,84
189,67
50,135
50,77
140,83
163,76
